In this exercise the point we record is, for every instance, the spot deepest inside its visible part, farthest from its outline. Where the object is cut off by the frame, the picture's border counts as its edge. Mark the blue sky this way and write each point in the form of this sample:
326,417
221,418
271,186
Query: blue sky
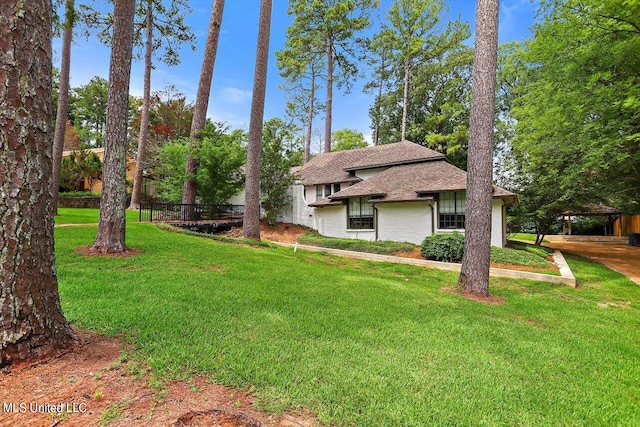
230,99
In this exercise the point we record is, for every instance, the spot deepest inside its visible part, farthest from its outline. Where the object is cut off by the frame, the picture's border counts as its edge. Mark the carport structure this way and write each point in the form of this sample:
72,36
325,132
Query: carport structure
611,214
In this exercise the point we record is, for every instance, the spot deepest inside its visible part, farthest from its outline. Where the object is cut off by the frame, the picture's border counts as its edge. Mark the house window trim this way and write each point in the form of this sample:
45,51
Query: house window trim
363,201
456,214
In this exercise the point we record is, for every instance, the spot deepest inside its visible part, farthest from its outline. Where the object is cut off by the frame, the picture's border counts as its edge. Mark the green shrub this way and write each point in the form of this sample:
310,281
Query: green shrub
78,194
445,247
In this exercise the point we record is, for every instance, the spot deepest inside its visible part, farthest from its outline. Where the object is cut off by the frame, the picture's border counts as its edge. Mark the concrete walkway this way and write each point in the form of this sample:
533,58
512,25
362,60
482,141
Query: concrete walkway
620,257
566,276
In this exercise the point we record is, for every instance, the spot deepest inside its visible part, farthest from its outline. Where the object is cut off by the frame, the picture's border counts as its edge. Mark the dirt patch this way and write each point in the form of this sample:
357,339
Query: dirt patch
281,232
472,295
89,251
95,384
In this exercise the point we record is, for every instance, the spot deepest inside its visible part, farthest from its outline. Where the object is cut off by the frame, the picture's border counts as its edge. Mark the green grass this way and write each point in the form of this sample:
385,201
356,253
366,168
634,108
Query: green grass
530,237
524,254
517,253
363,343
86,216
380,247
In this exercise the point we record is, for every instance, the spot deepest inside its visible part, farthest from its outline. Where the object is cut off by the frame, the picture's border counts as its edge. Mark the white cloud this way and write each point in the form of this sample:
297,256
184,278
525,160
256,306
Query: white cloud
234,95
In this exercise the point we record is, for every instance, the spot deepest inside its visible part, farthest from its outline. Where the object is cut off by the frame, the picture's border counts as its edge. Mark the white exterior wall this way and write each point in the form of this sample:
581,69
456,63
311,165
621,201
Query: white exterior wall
300,212
404,222
498,223
237,199
331,221
368,173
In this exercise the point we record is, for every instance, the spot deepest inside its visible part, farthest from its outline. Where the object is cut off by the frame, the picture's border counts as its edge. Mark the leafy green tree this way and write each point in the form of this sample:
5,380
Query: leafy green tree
279,154
336,24
170,117
577,118
81,165
202,98
220,154
300,64
220,157
348,139
413,32
88,110
170,31
428,79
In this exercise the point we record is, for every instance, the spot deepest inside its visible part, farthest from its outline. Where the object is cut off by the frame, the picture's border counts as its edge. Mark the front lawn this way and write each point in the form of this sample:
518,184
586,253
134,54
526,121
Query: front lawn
363,343
86,216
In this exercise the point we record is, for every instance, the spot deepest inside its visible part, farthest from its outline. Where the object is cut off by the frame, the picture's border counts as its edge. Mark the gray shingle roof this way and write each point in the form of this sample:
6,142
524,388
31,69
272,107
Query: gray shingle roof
330,168
415,173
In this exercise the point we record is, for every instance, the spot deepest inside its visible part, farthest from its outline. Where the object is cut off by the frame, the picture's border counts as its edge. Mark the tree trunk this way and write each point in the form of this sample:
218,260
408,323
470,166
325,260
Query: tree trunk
376,130
328,107
63,101
144,114
32,324
112,223
202,99
251,226
312,97
474,274
405,99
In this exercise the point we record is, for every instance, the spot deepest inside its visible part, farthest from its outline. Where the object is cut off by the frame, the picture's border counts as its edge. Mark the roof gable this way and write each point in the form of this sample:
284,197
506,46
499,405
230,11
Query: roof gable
339,166
413,182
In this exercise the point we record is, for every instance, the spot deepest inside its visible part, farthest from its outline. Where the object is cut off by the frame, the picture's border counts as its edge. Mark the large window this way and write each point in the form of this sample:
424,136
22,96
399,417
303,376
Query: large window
451,210
360,214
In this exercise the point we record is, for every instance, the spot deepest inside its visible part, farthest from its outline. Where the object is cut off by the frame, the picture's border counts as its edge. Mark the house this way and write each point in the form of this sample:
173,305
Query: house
97,185
400,192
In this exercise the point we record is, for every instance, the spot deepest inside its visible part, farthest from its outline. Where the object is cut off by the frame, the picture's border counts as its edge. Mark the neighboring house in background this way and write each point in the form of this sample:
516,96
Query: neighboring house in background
97,186
400,192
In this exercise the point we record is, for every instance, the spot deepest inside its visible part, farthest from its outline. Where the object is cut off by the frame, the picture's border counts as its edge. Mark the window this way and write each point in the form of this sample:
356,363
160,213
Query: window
360,214
327,190
318,192
336,188
451,210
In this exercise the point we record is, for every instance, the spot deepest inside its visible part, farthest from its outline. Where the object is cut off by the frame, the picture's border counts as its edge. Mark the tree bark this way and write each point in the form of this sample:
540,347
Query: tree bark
405,99
32,324
474,274
328,107
202,99
112,223
312,97
251,226
63,101
144,114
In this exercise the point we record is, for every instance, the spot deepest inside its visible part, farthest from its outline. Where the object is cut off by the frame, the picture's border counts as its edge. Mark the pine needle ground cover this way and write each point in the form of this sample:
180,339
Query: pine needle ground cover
363,343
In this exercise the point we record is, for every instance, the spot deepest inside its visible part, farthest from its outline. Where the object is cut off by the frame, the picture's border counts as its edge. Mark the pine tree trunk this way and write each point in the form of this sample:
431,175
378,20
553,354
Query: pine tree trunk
251,226
312,97
405,99
32,324
112,223
144,114
328,107
474,274
63,101
202,99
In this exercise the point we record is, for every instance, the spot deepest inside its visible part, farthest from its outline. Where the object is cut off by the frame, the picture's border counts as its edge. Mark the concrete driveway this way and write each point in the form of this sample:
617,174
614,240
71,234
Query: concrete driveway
614,254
